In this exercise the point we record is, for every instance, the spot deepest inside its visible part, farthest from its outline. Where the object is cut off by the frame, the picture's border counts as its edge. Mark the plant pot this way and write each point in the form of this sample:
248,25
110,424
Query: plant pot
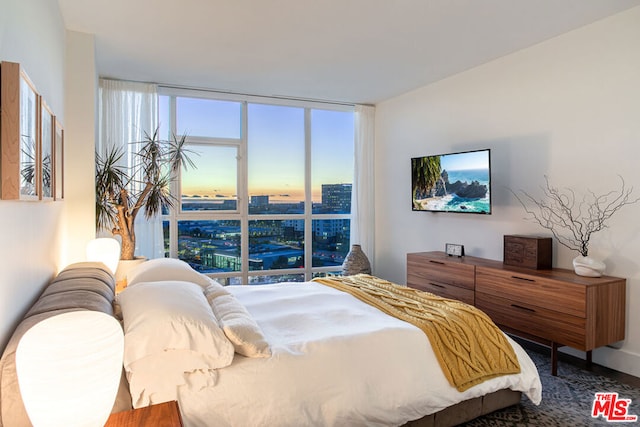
588,267
126,265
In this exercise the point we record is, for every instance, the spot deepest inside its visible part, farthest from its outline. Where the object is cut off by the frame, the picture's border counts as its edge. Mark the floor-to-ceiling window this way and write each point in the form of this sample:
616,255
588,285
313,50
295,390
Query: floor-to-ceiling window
269,196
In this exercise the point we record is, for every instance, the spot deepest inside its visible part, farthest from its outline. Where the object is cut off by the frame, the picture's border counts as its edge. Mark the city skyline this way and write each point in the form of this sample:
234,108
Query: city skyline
213,245
316,196
334,197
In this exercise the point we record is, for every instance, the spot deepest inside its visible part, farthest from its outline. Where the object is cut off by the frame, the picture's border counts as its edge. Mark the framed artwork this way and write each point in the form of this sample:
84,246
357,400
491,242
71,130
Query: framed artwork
19,137
58,161
31,140
47,121
29,168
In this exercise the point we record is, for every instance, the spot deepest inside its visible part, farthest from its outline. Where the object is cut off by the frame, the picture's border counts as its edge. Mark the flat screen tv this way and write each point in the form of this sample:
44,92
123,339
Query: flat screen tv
454,182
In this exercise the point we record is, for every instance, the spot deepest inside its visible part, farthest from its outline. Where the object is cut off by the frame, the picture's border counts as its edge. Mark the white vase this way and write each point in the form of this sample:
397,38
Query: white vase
587,266
356,262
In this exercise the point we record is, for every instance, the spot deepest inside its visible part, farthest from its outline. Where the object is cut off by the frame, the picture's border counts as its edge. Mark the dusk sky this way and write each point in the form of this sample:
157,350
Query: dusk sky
275,145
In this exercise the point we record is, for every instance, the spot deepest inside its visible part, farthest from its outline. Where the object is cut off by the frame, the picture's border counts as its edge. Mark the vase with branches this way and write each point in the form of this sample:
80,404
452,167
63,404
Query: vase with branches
121,192
573,220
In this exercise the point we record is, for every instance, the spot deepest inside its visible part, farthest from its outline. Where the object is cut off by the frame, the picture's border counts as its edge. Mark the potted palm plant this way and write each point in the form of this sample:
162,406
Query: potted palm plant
121,192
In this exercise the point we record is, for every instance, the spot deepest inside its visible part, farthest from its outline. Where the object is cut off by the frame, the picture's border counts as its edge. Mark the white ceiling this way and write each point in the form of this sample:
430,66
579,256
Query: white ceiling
355,51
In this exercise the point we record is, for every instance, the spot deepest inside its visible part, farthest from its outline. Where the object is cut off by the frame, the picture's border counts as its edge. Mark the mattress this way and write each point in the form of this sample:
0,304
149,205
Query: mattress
335,361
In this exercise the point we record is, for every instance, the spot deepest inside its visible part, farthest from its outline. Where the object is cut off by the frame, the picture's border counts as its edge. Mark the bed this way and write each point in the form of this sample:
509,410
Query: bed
290,354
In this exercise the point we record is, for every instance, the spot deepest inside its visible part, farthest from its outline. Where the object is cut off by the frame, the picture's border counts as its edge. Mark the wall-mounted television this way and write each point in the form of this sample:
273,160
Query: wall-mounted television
453,182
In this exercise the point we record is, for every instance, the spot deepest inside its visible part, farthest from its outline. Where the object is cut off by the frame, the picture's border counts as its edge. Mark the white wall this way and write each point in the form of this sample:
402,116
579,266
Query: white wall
40,238
80,135
568,108
31,33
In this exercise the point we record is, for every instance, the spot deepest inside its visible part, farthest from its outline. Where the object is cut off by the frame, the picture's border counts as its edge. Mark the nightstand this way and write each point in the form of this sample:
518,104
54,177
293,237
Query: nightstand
121,285
165,414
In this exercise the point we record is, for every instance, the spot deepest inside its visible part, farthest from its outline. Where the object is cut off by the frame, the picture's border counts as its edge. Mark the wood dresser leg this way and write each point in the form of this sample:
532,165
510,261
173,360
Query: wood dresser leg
554,359
589,360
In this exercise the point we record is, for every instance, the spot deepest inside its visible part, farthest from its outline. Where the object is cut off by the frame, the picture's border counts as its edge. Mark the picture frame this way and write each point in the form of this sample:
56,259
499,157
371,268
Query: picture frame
58,160
31,140
19,134
46,157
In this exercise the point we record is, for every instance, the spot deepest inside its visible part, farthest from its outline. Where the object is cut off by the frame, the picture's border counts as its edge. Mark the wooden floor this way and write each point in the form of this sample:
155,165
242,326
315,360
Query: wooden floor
581,363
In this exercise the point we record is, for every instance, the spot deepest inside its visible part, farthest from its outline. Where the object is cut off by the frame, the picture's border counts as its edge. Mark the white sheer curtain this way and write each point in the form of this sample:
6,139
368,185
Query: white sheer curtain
126,110
362,195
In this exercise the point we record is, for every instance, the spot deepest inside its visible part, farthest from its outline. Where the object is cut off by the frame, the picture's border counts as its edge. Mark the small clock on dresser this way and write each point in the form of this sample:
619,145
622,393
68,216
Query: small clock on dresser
453,249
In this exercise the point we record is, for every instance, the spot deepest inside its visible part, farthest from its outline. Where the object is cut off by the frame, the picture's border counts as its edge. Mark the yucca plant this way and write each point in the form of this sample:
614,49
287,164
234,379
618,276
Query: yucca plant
121,192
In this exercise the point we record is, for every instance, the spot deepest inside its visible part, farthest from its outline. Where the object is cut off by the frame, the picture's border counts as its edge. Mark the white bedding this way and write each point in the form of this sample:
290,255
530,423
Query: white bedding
335,361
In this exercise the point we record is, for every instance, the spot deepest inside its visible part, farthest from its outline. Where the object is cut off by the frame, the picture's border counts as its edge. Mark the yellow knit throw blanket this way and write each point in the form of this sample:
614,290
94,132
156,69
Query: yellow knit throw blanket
468,345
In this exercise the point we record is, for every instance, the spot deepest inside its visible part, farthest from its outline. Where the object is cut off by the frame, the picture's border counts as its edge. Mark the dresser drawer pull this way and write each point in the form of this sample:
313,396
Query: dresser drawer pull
436,285
523,278
523,308
436,262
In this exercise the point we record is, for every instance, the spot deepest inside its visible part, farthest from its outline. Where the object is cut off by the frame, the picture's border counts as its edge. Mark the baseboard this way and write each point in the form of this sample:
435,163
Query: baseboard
618,359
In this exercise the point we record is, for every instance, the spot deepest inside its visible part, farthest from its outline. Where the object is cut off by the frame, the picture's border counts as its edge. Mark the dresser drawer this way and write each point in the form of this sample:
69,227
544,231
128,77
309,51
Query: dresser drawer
422,270
531,290
446,291
533,320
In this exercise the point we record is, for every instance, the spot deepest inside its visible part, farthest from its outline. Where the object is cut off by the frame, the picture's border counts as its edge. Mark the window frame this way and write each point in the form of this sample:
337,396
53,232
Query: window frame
242,207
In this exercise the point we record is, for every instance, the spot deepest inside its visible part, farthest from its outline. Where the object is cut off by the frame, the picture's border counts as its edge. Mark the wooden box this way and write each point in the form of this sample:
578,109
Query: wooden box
527,251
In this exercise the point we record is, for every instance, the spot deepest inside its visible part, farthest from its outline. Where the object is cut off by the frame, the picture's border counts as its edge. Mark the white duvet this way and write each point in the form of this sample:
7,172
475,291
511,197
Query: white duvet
335,361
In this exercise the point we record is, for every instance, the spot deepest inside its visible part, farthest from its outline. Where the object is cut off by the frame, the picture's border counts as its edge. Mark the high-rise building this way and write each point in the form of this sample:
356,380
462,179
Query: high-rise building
336,198
259,201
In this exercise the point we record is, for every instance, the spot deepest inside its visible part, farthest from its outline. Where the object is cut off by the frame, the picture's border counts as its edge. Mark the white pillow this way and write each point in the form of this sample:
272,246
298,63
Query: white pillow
160,269
154,379
238,325
167,316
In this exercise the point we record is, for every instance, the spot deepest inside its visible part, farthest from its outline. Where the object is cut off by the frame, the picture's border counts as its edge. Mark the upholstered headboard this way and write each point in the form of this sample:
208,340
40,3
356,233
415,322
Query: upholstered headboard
80,286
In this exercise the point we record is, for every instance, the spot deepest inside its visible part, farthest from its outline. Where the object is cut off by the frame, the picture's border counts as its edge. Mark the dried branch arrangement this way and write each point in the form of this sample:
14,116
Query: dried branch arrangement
571,221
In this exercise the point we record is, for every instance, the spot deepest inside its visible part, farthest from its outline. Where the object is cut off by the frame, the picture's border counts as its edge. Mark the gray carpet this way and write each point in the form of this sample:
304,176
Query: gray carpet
567,399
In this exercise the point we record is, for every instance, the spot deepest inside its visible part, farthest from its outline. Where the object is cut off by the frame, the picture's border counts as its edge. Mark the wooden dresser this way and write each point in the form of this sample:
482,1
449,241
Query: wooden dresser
555,307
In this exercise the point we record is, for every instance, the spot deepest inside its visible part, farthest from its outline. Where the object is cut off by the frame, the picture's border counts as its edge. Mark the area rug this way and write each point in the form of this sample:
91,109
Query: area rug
567,399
